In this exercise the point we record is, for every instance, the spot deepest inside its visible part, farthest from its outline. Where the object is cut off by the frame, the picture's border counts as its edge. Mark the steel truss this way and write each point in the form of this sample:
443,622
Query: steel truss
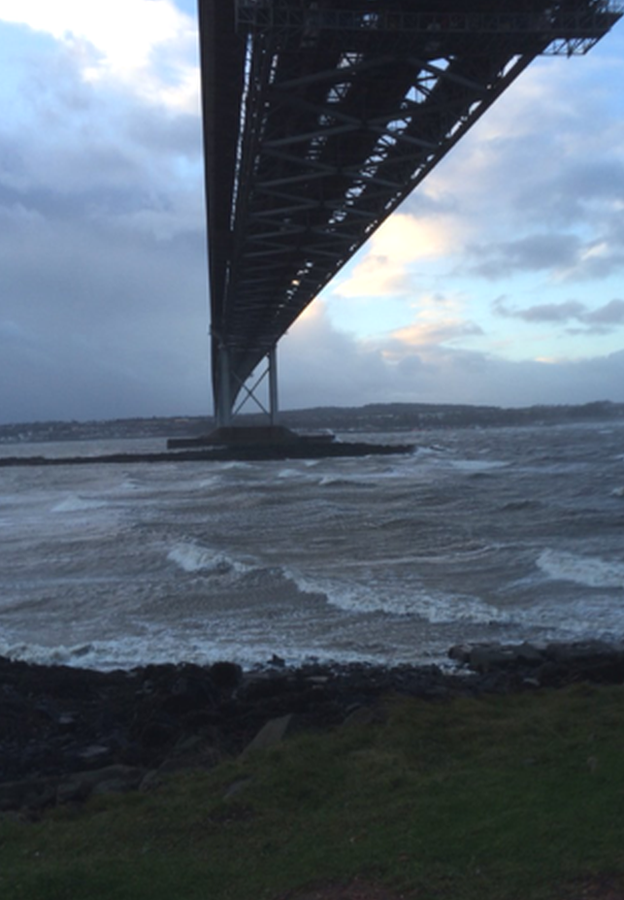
319,121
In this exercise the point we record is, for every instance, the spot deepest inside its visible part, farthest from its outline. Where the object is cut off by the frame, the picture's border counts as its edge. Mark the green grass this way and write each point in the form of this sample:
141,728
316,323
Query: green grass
497,798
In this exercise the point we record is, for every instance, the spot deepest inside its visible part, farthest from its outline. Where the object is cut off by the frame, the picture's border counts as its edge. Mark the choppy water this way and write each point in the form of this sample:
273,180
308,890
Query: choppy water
503,534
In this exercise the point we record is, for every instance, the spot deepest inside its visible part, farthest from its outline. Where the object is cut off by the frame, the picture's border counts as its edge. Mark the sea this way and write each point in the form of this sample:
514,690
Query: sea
498,534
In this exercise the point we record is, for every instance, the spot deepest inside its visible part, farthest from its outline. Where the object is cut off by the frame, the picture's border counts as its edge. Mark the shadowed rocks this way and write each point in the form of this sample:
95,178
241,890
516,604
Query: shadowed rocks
68,733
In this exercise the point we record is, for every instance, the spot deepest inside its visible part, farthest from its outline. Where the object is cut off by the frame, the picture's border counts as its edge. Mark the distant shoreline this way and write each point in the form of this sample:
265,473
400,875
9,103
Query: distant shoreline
373,418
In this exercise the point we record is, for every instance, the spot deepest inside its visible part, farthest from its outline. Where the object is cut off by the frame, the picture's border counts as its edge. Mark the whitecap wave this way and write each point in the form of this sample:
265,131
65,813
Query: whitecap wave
132,652
342,481
76,503
476,466
211,482
589,617
591,571
193,557
435,607
160,648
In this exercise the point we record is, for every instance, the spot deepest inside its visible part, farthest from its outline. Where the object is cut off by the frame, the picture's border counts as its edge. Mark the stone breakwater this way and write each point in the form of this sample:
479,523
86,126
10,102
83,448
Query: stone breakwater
68,733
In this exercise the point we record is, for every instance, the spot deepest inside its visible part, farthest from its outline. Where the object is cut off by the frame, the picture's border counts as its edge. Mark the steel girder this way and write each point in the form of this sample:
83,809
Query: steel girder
319,121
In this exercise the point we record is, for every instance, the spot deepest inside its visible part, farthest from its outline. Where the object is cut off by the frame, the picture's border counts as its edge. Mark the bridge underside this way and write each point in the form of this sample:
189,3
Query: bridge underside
321,117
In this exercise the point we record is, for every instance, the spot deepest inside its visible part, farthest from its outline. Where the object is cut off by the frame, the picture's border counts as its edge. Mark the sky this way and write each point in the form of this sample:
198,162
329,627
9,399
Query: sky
499,281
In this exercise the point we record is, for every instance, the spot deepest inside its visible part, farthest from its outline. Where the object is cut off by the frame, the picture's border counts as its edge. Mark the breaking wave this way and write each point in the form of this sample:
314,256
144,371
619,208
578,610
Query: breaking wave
590,571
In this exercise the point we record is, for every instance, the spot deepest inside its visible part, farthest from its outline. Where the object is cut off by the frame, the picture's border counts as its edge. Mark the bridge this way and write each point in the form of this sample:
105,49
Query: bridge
320,117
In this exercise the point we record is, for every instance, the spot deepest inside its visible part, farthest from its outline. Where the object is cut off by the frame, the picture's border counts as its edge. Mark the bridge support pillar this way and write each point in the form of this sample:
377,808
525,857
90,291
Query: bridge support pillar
273,395
227,389
223,398
244,438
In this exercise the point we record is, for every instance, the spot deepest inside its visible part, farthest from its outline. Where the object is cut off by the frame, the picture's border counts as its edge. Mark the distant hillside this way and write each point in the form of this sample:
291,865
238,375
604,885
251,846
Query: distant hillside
410,416
375,417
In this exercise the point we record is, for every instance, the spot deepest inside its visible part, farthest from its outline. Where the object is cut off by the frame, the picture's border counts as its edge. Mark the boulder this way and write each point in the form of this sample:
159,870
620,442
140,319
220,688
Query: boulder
269,735
110,779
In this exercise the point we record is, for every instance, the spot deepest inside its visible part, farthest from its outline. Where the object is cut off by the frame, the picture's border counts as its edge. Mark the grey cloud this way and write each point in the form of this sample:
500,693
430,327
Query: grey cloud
611,313
574,191
602,320
165,133
563,253
103,273
593,180
602,265
545,312
533,253
104,318
542,160
322,366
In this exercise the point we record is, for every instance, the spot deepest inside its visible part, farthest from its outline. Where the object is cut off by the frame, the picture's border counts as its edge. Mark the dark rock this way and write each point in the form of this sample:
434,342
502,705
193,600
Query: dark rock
187,694
460,653
579,651
589,660
485,657
109,780
226,675
60,726
157,734
530,654
34,793
94,755
265,686
191,753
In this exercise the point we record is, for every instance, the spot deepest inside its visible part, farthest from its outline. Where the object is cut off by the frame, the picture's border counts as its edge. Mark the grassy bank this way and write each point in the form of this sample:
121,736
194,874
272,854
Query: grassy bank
501,797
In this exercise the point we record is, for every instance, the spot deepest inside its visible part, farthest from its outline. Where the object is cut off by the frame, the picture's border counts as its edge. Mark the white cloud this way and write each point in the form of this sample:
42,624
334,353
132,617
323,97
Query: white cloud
402,240
145,45
423,333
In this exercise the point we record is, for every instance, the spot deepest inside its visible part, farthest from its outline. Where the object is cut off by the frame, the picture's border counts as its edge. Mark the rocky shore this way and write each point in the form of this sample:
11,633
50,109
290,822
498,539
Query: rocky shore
67,733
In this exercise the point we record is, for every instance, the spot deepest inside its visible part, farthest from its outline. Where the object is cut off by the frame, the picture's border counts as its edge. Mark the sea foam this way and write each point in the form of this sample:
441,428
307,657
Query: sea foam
435,607
76,503
591,571
193,557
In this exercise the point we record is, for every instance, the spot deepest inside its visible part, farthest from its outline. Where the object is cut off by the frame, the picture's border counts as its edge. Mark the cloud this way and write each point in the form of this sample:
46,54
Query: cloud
545,165
532,190
556,252
103,256
322,366
602,320
566,257
402,240
545,312
611,313
423,333
101,323
143,45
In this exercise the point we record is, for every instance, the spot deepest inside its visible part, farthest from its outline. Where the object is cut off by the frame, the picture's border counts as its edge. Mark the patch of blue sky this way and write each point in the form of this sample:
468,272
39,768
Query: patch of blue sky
187,6
20,49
